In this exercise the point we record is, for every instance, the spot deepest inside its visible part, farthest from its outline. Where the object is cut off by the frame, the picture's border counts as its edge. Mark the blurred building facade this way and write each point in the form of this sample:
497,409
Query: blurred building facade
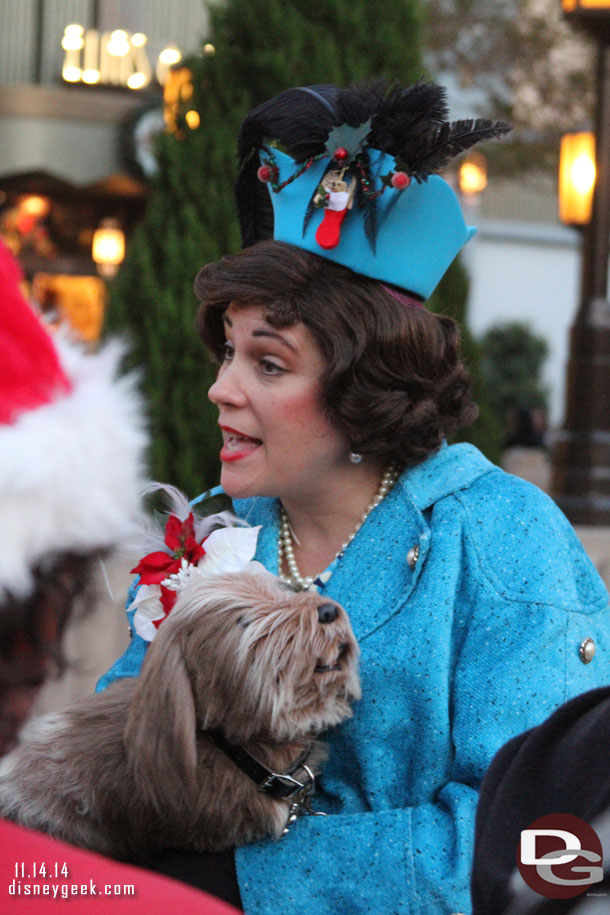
71,128
81,101
524,265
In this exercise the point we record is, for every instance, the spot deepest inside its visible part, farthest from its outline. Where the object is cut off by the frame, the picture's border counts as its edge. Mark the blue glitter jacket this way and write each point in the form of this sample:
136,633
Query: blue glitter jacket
475,644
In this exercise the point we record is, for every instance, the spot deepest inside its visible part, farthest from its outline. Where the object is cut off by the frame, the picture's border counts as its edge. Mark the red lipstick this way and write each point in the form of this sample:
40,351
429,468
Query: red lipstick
237,445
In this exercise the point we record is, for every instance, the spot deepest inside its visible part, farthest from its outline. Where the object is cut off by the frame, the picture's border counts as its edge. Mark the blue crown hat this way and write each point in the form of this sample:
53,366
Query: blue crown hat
420,230
356,184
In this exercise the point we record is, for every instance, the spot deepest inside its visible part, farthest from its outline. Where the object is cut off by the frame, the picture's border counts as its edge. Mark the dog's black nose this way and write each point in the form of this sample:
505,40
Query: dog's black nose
327,613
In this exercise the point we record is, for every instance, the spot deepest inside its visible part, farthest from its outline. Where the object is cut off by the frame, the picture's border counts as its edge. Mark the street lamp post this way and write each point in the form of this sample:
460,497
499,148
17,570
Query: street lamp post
581,456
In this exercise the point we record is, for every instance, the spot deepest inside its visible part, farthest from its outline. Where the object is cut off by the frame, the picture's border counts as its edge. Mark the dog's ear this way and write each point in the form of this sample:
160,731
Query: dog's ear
161,731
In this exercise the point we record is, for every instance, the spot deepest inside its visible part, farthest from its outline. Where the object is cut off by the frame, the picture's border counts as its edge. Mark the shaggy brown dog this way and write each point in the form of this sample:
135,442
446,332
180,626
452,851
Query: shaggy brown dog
131,770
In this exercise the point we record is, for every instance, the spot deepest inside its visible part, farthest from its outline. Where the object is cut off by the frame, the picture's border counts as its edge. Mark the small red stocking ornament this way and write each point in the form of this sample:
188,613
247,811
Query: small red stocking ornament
329,230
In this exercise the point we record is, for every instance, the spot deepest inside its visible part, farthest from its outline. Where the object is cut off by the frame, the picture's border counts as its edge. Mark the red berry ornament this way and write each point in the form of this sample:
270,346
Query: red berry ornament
341,154
400,180
264,173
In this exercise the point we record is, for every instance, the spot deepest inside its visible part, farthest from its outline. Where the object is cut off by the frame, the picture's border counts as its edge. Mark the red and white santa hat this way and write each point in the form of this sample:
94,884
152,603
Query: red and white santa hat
72,441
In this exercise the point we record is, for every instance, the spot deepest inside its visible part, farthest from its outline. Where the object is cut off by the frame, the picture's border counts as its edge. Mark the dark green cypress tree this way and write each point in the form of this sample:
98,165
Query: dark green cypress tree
451,297
261,48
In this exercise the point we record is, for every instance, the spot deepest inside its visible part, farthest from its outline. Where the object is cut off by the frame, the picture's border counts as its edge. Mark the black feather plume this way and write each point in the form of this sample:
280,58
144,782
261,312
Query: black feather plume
404,115
299,121
440,145
254,207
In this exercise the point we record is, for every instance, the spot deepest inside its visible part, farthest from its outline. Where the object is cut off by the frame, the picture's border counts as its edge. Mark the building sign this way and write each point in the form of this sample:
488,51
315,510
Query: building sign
117,58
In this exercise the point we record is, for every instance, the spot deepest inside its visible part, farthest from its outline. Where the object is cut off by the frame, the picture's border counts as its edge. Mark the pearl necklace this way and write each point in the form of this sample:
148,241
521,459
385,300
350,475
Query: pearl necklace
285,547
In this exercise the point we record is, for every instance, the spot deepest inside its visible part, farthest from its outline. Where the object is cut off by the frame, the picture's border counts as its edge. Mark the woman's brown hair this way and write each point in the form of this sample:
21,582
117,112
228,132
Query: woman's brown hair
394,382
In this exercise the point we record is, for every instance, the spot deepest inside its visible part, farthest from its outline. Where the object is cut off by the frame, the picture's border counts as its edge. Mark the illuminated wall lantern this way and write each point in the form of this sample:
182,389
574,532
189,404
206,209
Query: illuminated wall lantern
108,249
576,178
473,175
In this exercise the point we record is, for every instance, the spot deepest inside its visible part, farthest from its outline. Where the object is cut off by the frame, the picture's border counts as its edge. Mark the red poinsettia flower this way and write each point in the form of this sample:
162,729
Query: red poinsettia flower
168,599
180,539
155,567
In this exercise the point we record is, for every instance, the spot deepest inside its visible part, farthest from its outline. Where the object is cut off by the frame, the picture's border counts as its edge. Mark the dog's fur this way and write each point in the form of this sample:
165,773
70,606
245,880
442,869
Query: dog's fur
130,771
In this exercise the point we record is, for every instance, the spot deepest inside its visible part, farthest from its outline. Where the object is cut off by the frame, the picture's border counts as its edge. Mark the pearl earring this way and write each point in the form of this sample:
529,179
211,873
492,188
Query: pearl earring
355,457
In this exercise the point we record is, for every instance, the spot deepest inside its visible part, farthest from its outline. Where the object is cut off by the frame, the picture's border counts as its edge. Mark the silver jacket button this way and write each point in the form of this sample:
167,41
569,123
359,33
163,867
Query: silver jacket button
587,651
413,556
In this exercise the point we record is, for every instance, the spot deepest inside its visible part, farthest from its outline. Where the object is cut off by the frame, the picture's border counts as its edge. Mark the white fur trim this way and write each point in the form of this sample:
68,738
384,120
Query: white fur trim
71,471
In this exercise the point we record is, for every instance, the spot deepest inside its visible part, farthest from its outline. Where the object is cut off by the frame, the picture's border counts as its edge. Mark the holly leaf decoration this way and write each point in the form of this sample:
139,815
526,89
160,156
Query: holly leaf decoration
350,138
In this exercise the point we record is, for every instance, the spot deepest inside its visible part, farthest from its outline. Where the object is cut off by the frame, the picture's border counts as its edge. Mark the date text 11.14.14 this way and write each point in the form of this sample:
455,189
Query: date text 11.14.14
41,870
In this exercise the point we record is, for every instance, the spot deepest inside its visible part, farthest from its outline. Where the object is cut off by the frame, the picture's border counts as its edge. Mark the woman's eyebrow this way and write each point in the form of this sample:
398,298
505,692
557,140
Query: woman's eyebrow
262,332
269,333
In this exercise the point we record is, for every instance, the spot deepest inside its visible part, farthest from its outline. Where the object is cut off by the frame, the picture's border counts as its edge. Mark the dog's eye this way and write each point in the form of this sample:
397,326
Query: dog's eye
244,622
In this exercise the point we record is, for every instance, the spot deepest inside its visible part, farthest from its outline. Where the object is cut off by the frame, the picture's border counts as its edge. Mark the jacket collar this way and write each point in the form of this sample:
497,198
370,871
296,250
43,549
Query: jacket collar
449,470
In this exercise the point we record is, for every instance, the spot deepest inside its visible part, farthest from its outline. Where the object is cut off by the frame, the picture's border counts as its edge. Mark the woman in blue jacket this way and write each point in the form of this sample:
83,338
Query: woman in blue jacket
467,589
